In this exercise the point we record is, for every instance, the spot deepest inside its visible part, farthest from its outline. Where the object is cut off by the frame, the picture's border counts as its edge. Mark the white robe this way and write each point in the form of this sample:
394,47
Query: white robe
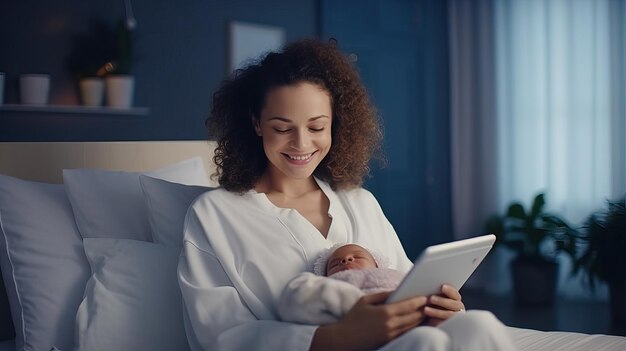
315,299
240,251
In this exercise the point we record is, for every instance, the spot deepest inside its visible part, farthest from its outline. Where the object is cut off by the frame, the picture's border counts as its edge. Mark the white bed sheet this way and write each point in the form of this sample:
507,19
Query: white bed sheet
533,340
527,340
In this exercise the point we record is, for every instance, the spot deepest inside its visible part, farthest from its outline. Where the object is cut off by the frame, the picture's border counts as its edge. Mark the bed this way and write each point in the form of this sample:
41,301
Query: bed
88,255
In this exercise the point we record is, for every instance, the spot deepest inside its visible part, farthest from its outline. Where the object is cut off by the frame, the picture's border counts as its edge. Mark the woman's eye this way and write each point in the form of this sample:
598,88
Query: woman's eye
316,129
282,131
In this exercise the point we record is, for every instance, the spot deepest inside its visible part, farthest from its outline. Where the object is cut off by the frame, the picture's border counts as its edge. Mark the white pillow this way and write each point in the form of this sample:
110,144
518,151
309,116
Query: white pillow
132,301
167,205
109,204
43,263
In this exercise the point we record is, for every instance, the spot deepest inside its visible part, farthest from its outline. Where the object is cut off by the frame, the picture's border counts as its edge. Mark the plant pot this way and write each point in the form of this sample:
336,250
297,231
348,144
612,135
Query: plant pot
91,91
618,306
534,280
119,91
34,89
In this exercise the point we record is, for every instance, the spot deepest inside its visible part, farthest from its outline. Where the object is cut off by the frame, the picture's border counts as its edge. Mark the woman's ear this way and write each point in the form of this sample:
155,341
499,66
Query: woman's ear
257,126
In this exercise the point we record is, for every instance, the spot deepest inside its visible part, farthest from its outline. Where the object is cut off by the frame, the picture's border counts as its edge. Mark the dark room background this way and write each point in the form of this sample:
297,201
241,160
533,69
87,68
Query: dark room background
181,52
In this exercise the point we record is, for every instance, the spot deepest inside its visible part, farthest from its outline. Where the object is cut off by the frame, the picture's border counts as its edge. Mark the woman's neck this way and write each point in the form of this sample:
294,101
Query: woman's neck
271,183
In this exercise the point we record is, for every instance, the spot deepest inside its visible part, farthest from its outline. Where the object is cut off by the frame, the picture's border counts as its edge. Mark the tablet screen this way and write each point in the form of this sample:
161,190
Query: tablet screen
450,263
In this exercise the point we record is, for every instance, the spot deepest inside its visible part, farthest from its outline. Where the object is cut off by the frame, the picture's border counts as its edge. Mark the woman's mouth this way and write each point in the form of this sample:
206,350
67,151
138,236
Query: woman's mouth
300,159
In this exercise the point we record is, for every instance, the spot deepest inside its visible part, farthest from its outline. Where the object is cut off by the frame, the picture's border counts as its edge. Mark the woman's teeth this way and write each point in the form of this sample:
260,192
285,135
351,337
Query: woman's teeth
300,158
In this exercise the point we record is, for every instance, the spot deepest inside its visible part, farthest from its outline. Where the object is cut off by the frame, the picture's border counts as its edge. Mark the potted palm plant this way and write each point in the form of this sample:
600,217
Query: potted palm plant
604,258
119,81
537,237
90,50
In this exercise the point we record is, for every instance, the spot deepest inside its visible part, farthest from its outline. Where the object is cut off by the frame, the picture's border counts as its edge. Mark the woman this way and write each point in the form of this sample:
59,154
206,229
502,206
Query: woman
295,135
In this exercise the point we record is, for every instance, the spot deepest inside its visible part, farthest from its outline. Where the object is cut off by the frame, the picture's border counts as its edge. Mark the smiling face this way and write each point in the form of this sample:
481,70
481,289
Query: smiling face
349,257
295,125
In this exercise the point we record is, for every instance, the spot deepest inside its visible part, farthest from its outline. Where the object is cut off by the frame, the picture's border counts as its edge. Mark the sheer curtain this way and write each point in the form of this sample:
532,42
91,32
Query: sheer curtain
538,104
560,94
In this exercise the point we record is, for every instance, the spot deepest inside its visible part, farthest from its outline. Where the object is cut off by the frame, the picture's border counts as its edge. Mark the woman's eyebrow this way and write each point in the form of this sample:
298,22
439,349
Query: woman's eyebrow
317,117
280,119
285,119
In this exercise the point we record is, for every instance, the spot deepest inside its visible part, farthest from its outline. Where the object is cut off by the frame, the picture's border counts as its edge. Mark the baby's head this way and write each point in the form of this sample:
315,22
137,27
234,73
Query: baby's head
355,256
350,256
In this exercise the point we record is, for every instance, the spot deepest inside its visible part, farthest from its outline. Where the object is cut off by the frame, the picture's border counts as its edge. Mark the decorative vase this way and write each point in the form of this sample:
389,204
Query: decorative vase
91,91
34,89
119,91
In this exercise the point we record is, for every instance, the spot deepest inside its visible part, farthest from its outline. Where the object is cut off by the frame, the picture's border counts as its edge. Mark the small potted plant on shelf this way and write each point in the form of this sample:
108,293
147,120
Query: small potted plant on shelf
537,237
119,81
89,52
604,258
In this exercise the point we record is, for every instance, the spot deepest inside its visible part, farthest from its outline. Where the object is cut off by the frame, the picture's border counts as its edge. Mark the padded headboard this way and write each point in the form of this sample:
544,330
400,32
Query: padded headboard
44,161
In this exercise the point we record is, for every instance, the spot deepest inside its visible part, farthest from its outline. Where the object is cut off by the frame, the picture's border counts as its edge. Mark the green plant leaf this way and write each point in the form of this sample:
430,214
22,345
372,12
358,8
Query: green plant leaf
538,204
552,221
605,235
526,232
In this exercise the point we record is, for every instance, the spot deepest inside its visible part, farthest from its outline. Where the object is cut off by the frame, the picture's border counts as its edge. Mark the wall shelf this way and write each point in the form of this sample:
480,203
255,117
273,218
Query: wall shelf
103,110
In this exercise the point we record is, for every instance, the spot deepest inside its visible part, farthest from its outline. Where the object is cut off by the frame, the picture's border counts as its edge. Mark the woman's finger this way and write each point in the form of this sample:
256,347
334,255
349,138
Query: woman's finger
446,303
402,323
451,292
438,313
375,299
408,306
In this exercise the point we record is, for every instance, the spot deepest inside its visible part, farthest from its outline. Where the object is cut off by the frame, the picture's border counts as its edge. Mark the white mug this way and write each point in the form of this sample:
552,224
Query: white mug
119,91
91,91
34,89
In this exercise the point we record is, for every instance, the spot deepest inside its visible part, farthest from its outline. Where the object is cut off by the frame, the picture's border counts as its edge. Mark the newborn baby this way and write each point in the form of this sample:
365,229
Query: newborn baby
342,274
356,265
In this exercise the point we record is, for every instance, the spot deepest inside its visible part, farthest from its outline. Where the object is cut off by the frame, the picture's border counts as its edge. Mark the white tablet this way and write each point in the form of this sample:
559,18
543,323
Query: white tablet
450,263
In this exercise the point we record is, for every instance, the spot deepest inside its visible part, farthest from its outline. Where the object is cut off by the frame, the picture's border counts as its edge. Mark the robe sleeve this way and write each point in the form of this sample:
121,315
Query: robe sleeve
216,316
313,299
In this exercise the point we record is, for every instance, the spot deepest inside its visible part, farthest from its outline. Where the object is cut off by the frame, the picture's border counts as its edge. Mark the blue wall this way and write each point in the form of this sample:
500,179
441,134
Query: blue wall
181,51
402,54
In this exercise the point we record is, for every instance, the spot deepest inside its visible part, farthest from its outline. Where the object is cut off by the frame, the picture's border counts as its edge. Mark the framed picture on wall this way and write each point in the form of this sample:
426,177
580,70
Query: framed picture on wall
249,40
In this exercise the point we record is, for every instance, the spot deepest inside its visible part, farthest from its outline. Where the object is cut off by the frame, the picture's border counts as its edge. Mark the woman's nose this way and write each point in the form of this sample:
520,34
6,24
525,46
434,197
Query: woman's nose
301,139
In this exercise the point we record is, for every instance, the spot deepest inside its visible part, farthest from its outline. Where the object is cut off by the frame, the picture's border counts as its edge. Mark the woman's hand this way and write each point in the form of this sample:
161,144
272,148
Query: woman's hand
443,306
371,323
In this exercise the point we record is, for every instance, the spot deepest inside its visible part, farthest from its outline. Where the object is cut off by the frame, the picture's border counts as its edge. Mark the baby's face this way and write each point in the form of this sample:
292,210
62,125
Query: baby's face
349,257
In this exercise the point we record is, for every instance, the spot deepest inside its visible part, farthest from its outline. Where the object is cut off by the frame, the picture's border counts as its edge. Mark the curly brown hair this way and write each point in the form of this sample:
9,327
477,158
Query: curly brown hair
237,104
